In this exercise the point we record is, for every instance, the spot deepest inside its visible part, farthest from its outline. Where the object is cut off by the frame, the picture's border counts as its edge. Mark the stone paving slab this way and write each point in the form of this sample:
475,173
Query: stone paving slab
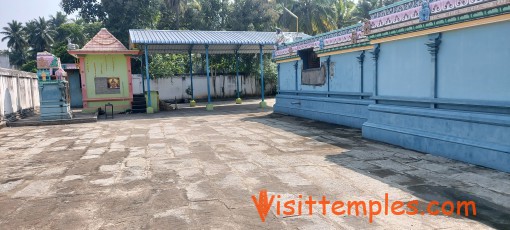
193,169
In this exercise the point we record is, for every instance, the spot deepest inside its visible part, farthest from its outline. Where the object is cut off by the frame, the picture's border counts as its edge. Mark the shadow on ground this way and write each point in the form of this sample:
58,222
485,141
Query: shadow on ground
186,111
428,177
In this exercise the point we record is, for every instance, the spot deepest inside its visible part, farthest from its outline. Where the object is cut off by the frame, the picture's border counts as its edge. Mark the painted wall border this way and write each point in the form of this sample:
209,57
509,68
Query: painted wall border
462,25
369,47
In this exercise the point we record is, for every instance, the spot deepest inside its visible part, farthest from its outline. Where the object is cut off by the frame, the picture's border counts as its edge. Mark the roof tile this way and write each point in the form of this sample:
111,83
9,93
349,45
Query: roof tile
104,41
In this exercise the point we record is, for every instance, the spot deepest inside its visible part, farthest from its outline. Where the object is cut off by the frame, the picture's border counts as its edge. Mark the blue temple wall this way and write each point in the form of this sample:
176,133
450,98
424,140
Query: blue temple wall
347,71
368,74
475,63
456,106
343,104
286,76
469,119
405,68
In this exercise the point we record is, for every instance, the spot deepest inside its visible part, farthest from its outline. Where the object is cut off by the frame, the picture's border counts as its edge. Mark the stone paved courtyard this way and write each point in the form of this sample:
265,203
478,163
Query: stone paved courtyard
192,169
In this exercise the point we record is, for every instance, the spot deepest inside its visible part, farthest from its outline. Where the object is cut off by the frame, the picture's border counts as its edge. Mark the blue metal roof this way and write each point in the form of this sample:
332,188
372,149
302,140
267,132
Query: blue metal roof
181,41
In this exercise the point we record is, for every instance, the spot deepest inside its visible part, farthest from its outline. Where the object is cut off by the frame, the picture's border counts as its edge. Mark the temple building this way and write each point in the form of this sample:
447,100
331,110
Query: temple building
428,76
105,72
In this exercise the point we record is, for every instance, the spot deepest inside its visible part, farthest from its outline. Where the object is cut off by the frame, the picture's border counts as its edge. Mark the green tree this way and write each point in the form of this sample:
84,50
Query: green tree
176,7
363,8
255,15
57,20
124,15
19,57
118,16
16,42
206,15
73,31
315,16
88,10
30,66
89,29
40,35
345,12
60,50
167,65
14,35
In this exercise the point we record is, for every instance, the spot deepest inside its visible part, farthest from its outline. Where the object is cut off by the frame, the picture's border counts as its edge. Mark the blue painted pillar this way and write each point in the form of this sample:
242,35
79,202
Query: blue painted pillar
141,72
192,103
209,104
262,88
296,72
433,48
328,63
361,60
191,75
149,99
262,74
279,82
238,99
375,57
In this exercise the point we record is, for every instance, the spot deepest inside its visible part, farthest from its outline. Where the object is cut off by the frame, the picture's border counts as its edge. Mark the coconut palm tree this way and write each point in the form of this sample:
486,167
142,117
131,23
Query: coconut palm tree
178,7
57,20
345,11
364,7
315,16
40,34
14,35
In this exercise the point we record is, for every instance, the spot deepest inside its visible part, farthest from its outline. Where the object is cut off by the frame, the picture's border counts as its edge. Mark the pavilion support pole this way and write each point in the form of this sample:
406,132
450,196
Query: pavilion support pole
238,100
149,99
192,103
262,88
141,73
209,104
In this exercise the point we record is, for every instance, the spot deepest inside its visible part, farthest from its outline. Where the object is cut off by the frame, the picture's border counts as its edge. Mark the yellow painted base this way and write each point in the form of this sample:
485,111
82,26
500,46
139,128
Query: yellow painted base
150,110
209,107
192,103
263,104
239,101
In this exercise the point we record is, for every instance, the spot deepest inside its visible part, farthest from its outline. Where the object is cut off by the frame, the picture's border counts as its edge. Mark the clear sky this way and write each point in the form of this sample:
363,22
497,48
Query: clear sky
24,11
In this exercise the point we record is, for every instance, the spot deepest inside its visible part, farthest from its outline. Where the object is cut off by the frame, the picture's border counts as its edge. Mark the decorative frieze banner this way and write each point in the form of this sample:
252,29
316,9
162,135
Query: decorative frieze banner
343,37
398,18
402,14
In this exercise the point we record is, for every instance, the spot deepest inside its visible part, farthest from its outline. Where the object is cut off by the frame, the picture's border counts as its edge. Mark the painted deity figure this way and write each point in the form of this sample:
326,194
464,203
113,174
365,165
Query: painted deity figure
424,11
280,38
71,46
366,27
354,37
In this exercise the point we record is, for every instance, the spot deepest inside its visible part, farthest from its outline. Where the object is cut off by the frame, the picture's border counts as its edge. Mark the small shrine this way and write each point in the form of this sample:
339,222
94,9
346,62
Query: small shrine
53,88
105,73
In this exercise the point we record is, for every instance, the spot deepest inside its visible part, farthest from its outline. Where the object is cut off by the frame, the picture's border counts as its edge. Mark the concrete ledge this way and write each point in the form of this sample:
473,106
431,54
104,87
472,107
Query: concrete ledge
347,112
476,138
38,122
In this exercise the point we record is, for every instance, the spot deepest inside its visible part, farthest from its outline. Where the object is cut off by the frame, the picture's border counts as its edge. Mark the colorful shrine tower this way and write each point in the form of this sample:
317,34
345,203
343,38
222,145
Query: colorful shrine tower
105,71
53,88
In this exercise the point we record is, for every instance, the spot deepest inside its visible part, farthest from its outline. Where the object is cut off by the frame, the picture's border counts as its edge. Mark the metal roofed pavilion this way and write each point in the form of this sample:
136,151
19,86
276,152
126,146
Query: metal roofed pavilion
220,42
208,42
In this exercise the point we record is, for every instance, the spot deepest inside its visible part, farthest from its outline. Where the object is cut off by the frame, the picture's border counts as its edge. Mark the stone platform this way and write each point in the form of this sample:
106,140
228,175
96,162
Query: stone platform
78,117
197,169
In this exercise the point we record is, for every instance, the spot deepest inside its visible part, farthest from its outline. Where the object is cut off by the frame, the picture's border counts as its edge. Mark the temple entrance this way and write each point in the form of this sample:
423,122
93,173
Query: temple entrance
137,84
75,90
